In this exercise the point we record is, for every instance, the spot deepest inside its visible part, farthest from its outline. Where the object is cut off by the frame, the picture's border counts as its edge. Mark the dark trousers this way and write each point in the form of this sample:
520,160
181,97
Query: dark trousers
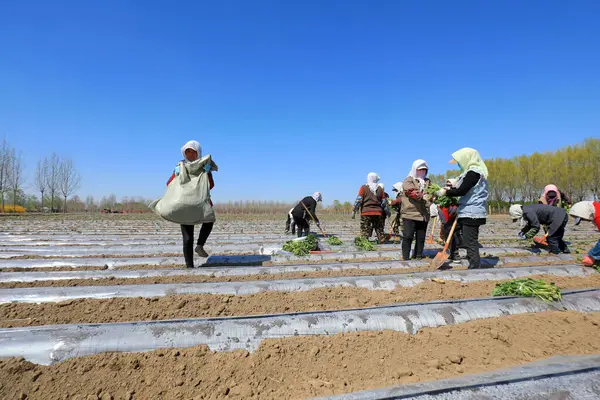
456,238
188,240
470,239
302,226
555,240
290,223
413,230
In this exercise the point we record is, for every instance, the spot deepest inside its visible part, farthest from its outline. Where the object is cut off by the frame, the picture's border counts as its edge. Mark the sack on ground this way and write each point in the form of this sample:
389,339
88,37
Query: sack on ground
187,199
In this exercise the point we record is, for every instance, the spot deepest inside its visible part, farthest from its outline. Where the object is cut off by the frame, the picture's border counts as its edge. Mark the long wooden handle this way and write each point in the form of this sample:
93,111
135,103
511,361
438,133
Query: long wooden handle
449,238
433,228
313,218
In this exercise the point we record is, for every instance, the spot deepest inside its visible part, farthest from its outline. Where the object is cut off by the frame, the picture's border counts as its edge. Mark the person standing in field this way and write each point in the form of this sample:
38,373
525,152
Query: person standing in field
305,211
588,211
396,205
415,210
192,151
369,203
472,187
385,206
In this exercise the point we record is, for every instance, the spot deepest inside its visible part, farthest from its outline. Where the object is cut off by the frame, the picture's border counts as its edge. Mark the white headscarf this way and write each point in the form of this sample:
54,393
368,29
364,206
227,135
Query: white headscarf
192,144
372,180
398,187
381,185
317,196
418,164
584,210
516,213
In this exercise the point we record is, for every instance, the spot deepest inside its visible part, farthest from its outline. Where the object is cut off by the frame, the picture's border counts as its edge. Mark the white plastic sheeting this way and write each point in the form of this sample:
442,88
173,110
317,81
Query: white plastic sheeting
378,282
53,343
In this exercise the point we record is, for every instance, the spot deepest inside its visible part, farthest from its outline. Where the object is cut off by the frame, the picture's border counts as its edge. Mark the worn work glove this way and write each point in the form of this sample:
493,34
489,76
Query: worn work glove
207,167
451,183
522,236
441,192
531,233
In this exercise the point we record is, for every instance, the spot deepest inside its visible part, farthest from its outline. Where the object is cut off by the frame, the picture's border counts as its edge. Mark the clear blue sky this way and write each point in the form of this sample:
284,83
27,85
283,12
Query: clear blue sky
291,97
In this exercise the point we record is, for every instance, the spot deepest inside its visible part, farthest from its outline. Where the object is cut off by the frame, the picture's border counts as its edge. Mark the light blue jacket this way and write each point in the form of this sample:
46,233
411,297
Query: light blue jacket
474,203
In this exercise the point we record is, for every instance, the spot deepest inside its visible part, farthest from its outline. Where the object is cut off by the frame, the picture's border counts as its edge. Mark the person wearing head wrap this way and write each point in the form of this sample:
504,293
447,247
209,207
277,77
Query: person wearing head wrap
415,209
302,217
533,216
385,204
370,204
588,211
554,197
396,205
472,187
192,151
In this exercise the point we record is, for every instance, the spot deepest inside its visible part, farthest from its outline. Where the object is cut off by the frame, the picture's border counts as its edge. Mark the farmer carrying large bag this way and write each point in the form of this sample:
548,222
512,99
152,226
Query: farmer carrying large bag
187,199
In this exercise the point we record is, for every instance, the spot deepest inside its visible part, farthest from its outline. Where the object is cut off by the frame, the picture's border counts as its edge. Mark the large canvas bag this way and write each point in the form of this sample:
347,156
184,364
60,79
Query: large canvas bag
187,199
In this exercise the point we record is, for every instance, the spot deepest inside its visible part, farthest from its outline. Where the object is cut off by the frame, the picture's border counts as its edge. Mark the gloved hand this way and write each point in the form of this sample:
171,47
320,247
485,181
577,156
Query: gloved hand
207,167
531,233
441,192
522,236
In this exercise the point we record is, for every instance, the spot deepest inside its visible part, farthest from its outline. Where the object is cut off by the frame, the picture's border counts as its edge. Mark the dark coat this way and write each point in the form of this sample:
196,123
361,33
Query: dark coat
300,212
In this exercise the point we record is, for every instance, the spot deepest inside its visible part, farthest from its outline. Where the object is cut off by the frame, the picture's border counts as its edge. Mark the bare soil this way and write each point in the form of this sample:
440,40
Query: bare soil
207,305
301,367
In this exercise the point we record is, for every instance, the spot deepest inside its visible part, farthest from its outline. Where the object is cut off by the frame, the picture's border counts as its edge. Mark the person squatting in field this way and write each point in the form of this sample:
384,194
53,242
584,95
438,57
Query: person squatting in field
192,151
304,212
588,211
533,216
369,203
415,209
472,188
554,197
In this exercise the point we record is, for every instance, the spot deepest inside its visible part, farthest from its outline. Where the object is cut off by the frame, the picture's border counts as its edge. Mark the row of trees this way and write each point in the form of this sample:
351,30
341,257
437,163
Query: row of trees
11,173
55,177
574,169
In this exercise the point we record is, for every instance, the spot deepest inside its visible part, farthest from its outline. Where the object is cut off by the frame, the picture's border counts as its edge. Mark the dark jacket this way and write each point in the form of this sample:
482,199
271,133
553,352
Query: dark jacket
300,212
541,214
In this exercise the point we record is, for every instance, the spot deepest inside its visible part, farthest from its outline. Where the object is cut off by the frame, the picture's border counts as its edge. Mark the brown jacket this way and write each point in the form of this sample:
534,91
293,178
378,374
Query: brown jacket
414,206
371,203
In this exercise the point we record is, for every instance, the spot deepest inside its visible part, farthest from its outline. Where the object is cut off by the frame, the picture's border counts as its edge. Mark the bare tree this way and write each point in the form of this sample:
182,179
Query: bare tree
68,178
15,177
40,179
90,205
5,155
52,178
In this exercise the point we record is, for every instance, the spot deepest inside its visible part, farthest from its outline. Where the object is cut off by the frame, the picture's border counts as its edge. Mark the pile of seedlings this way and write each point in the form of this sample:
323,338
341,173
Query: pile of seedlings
302,247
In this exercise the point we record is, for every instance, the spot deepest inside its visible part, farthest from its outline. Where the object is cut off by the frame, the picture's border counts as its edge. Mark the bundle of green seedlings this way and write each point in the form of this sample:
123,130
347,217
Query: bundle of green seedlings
528,287
363,244
334,241
302,247
442,201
